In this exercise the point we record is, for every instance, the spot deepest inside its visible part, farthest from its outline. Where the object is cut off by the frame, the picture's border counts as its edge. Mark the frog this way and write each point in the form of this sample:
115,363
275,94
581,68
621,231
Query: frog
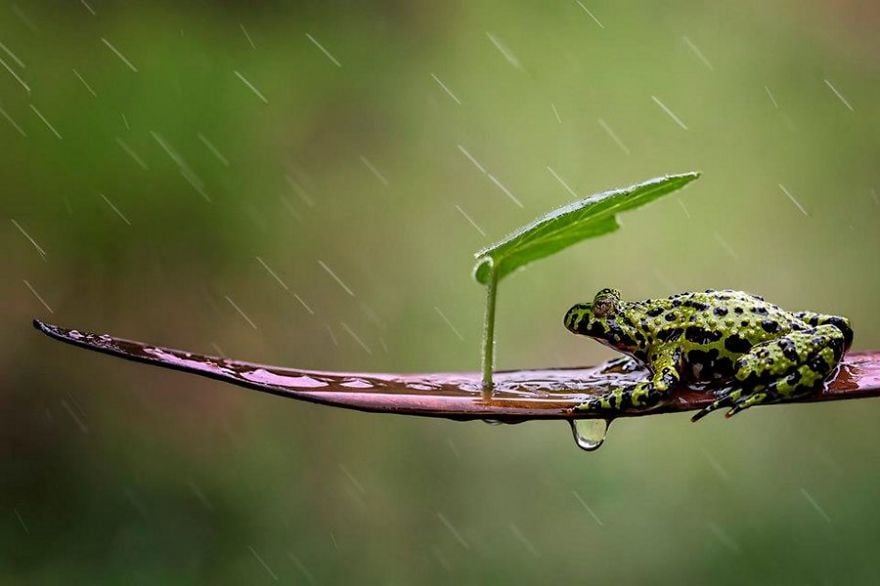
748,350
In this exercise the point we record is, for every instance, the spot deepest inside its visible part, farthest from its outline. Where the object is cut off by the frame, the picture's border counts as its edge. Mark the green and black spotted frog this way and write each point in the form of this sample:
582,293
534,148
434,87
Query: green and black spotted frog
759,352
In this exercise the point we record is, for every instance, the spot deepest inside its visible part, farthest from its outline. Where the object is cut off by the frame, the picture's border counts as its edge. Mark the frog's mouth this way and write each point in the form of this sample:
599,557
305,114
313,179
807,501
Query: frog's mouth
577,319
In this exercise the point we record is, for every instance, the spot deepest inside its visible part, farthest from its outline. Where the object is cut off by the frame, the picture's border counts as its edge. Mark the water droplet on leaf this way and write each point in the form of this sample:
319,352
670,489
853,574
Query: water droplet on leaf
589,434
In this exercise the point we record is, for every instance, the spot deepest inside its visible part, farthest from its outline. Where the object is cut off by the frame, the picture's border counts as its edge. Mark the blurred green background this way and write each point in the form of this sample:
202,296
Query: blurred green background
153,181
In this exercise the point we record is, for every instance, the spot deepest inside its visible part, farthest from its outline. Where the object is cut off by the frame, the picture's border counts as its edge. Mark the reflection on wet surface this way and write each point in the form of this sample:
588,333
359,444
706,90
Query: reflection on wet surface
518,395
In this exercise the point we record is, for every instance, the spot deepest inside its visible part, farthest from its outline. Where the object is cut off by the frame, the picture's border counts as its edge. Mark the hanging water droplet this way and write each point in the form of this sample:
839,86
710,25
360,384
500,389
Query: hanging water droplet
589,434
493,421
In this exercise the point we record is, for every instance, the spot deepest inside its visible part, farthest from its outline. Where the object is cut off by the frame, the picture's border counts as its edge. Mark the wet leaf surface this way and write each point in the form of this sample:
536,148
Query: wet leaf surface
519,395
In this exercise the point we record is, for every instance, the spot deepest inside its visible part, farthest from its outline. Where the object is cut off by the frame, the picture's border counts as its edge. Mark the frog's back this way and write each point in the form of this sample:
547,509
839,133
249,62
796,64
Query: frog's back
747,314
714,328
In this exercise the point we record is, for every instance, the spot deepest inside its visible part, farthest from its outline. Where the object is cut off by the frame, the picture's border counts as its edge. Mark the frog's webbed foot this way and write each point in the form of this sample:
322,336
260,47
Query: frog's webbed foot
732,397
739,400
617,399
780,370
639,396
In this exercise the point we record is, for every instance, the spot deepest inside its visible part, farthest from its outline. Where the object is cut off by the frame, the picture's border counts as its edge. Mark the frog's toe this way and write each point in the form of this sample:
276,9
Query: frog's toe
615,400
638,397
586,406
726,398
595,404
746,402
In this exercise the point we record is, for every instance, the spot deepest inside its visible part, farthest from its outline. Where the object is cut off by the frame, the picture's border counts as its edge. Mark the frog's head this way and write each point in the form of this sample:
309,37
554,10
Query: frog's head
604,319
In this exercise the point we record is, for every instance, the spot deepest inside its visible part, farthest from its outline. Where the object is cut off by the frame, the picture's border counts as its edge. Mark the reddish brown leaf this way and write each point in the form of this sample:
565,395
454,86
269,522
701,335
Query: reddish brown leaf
519,395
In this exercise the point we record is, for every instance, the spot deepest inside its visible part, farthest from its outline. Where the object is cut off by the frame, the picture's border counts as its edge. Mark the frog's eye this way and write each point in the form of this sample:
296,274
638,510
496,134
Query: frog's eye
604,307
605,302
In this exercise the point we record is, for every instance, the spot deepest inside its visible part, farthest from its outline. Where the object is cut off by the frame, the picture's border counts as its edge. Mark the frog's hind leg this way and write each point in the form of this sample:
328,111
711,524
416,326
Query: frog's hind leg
821,319
789,367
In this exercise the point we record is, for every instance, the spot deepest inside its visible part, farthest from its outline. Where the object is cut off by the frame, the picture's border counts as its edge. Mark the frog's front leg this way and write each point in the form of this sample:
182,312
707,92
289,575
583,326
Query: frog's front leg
665,365
789,367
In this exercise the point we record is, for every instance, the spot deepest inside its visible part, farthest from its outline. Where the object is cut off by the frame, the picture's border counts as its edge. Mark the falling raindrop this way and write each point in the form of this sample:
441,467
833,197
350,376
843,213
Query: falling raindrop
589,434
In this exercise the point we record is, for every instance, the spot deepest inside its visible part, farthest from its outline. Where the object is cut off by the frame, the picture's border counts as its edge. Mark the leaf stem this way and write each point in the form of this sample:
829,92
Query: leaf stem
489,333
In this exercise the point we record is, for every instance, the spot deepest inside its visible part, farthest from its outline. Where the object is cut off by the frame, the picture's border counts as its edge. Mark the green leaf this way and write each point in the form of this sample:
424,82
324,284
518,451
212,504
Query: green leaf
559,229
